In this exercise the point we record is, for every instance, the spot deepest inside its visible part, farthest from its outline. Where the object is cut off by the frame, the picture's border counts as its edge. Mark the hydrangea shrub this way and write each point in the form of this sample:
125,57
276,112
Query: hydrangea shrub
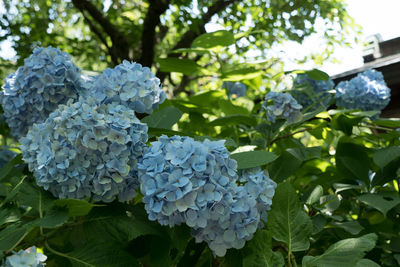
47,79
367,91
285,203
26,258
278,105
84,149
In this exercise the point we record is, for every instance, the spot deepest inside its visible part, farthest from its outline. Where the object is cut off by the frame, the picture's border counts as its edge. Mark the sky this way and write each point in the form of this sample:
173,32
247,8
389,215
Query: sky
375,16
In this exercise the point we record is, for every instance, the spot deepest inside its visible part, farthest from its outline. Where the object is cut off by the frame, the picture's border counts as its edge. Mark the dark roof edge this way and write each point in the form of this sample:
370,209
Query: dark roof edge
381,62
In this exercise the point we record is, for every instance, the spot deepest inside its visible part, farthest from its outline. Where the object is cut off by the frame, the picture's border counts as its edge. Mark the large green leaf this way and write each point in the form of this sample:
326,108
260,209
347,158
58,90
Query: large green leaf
164,118
352,160
12,235
259,251
380,201
345,253
287,221
316,74
76,207
286,165
53,218
173,64
113,224
234,119
6,170
99,254
251,159
352,227
384,156
366,263
214,39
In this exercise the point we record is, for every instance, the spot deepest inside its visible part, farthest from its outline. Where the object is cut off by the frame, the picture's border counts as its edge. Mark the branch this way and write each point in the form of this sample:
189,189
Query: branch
120,44
152,20
190,35
94,29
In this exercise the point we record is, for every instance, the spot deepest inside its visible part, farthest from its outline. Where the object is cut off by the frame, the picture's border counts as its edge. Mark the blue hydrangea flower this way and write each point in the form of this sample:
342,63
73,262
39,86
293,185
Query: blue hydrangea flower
235,89
246,213
367,91
311,94
47,79
180,178
131,85
281,106
84,149
193,182
26,258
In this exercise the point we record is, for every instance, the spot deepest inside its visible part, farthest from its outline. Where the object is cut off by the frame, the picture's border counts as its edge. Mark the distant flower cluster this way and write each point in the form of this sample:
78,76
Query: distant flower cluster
131,85
367,91
85,149
235,89
311,94
47,79
281,106
192,182
25,258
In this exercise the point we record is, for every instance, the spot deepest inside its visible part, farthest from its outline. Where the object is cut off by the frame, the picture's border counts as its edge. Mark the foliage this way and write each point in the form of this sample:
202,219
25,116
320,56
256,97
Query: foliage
319,190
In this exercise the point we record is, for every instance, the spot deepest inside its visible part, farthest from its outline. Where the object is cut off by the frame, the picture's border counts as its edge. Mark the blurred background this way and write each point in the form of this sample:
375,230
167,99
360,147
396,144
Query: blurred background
271,36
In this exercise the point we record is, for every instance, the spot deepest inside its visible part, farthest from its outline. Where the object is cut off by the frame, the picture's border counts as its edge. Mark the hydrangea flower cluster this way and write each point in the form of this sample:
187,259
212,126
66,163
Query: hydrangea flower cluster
367,91
235,89
247,213
86,149
282,106
129,84
192,182
311,93
26,258
47,79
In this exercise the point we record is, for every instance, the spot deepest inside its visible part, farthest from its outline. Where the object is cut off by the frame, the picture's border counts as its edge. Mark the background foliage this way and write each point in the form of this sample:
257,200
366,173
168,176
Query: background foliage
337,200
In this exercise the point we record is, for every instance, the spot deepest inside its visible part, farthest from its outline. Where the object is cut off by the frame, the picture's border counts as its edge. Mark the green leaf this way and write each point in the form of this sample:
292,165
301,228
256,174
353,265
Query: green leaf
173,64
287,221
164,118
384,156
9,215
214,39
316,74
315,195
76,207
12,235
286,165
391,123
260,251
251,159
112,223
229,108
345,123
352,227
53,218
244,73
345,253
234,120
352,160
98,254
366,263
380,201
387,173
10,165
